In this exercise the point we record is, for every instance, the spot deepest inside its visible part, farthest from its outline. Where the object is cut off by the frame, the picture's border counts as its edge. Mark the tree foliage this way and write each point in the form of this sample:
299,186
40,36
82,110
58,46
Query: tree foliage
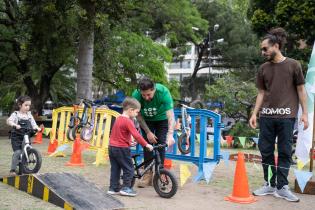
296,17
240,47
36,41
238,6
237,95
128,48
239,52
40,42
128,55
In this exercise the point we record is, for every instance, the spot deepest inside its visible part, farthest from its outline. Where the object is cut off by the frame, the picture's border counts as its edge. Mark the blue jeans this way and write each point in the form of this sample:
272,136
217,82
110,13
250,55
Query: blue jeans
270,128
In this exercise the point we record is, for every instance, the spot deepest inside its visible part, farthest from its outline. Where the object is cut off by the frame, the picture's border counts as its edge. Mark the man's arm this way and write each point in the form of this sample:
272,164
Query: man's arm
302,99
143,124
171,124
171,121
259,101
150,136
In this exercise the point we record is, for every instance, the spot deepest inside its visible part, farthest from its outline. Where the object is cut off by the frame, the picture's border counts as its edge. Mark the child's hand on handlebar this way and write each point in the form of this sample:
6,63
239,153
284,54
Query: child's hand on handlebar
18,127
149,147
38,129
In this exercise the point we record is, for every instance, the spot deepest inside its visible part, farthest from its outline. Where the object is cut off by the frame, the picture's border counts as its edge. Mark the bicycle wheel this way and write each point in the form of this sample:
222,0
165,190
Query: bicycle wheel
183,144
76,129
69,134
166,184
34,161
86,134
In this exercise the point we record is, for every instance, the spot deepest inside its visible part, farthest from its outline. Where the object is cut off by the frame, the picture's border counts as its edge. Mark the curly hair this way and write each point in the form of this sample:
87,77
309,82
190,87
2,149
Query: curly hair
276,36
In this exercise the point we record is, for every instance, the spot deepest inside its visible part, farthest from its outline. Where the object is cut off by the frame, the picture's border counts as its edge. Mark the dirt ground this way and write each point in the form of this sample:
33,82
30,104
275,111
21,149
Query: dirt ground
192,196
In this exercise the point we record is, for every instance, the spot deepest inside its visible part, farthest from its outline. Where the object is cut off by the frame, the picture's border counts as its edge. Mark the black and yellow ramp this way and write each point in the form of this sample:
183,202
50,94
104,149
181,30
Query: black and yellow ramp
66,190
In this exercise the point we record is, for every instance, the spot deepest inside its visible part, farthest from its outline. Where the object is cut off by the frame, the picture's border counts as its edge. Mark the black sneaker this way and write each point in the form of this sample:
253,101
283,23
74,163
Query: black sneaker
112,191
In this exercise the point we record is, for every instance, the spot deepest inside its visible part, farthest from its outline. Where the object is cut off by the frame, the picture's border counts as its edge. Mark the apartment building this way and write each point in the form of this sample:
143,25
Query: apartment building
185,66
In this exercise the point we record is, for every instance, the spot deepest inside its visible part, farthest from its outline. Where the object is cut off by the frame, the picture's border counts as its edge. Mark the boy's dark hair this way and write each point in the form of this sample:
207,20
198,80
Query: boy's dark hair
145,83
130,103
276,36
20,100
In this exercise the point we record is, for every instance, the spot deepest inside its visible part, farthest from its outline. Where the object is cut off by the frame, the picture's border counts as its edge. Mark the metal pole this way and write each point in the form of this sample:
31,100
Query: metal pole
209,44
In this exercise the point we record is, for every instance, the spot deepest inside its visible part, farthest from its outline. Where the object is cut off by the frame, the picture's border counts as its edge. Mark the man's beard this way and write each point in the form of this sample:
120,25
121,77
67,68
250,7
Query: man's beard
271,57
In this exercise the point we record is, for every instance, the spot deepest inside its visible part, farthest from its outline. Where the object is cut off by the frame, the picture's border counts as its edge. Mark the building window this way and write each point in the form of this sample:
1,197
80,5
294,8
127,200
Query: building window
174,77
185,64
175,65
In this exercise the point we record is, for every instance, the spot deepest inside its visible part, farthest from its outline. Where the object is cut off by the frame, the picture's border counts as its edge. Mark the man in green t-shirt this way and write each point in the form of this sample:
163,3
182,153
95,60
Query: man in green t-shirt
156,118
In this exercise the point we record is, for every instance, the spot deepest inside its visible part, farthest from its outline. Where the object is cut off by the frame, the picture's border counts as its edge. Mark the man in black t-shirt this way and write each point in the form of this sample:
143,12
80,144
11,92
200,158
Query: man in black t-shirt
280,84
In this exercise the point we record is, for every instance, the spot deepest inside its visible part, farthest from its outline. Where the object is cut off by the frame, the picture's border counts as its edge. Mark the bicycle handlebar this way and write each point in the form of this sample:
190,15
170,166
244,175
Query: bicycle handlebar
159,146
24,131
185,106
87,101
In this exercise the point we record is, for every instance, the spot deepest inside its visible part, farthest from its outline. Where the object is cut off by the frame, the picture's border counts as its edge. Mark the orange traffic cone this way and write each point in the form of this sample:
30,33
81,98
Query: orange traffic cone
39,136
168,163
52,146
76,159
240,192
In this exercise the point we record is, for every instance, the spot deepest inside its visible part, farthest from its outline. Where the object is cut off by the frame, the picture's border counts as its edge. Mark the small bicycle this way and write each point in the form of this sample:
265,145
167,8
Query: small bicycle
164,181
74,120
30,160
81,124
184,144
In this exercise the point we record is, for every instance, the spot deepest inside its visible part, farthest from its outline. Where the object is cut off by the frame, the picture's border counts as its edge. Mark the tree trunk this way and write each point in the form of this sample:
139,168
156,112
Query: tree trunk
85,65
192,83
86,52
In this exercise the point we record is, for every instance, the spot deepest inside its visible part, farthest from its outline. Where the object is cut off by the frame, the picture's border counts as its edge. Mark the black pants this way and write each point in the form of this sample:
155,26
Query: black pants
270,128
120,159
159,128
17,145
16,141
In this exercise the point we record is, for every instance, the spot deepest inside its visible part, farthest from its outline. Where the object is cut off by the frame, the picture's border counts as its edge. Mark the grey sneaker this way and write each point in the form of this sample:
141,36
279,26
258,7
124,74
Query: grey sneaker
128,192
264,190
285,193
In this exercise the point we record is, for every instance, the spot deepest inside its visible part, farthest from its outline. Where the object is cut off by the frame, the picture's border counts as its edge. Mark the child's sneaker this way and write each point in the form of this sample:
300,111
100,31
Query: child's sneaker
112,191
128,192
